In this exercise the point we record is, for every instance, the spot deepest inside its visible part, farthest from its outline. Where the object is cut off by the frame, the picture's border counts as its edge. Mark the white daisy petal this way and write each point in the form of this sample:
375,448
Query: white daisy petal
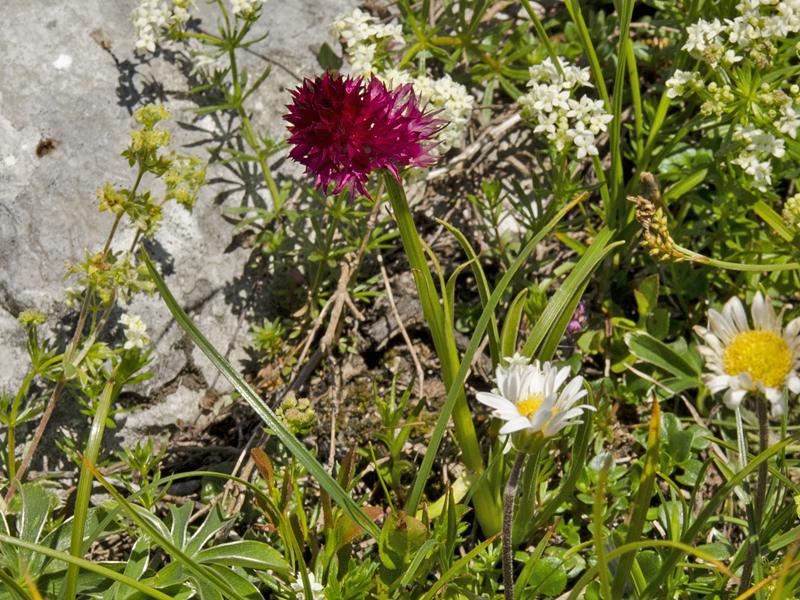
517,424
733,398
763,314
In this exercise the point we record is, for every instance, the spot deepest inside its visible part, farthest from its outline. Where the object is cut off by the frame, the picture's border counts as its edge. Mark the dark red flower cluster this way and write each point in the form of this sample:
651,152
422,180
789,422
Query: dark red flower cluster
342,129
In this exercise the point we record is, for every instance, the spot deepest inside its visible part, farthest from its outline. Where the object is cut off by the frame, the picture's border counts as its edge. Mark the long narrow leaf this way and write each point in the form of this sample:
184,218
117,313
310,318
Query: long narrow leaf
86,565
312,465
466,362
551,318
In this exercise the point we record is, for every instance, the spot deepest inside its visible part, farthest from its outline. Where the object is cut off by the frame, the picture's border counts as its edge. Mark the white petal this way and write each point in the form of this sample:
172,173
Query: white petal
763,314
734,310
717,383
792,329
743,381
773,395
778,409
733,398
517,424
793,383
506,409
721,326
561,377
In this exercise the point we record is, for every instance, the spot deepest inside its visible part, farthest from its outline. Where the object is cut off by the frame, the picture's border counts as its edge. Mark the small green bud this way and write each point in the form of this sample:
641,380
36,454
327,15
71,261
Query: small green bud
297,414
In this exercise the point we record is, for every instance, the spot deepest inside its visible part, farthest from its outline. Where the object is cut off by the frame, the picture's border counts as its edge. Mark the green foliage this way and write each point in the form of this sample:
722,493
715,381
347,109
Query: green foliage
523,243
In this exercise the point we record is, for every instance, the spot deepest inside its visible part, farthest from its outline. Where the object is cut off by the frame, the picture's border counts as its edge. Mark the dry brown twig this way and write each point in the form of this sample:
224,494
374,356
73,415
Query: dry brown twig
406,338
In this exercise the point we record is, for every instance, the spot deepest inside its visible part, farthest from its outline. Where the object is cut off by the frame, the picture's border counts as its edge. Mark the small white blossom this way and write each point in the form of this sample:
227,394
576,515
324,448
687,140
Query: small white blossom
316,589
789,121
135,332
534,397
245,7
565,121
676,85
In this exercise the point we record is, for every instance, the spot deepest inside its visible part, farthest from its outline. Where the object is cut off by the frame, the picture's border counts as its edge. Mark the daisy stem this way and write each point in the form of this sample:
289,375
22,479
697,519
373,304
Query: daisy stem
509,495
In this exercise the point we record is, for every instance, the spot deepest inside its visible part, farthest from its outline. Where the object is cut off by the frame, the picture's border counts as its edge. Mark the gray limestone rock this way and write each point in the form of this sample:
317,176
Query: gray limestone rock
69,75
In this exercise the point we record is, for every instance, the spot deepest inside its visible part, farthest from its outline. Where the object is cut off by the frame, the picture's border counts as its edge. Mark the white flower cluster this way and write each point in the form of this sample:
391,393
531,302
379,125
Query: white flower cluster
135,332
751,33
151,19
367,45
245,7
363,36
759,147
552,106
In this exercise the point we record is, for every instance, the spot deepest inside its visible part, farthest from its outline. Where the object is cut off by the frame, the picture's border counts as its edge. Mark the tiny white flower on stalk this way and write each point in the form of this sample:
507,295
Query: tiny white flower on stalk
245,7
742,359
317,591
676,85
533,397
135,332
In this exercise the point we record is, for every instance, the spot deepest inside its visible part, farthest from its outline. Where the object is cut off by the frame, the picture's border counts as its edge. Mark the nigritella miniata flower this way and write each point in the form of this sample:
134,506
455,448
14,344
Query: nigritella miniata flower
343,129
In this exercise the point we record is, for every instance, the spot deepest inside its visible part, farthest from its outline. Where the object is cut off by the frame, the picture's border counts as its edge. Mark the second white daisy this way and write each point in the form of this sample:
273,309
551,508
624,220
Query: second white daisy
534,397
744,359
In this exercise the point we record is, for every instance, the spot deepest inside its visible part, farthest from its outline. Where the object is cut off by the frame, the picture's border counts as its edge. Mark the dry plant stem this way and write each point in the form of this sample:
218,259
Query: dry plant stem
509,495
396,313
761,494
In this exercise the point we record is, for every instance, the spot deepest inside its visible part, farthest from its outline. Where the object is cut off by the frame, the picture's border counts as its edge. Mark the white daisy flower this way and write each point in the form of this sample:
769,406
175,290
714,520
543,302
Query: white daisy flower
527,397
743,359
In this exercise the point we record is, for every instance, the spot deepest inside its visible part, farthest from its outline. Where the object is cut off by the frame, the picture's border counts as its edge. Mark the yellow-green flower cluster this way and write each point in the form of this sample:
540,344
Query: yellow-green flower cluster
111,276
184,177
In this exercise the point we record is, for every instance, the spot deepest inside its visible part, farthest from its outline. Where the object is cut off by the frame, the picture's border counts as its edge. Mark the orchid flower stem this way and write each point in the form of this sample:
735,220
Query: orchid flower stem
509,495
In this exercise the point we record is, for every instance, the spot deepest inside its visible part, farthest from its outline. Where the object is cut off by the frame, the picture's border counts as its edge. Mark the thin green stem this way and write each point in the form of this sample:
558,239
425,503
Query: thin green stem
84,492
542,35
574,8
12,423
732,266
247,128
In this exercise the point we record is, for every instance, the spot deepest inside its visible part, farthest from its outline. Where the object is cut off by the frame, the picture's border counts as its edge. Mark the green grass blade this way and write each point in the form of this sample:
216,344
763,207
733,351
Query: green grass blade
85,487
457,568
482,283
480,328
508,336
710,510
552,323
314,468
641,503
86,565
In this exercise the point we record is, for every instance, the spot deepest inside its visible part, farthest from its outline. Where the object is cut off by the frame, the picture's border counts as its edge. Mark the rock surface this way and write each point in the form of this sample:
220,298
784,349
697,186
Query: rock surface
70,75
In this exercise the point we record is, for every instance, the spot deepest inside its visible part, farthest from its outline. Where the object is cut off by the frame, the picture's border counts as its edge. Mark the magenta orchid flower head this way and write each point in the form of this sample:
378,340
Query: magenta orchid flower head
344,128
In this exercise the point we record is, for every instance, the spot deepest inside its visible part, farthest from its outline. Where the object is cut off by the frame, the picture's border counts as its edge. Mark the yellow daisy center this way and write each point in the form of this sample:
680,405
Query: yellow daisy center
764,355
530,405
